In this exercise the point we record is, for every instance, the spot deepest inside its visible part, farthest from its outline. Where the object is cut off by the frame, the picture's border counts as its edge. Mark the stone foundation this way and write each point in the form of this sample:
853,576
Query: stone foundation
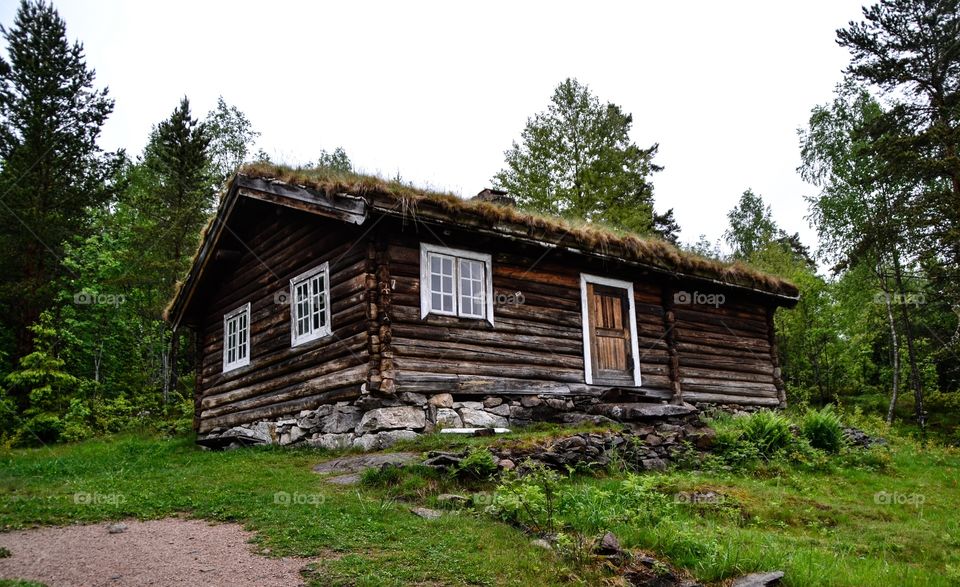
372,423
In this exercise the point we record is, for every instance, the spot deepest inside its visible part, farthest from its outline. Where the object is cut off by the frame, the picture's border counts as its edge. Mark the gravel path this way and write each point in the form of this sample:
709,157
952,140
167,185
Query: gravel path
172,551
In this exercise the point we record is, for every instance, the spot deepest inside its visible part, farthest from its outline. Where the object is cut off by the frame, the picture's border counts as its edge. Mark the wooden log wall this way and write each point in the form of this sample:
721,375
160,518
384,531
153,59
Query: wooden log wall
280,380
534,347
724,351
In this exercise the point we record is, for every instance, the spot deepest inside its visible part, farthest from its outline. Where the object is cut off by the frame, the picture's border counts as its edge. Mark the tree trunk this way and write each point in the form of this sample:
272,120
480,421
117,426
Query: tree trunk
895,344
919,412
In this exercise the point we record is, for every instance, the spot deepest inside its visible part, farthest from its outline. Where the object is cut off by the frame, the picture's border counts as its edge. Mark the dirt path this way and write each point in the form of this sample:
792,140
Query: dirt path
172,551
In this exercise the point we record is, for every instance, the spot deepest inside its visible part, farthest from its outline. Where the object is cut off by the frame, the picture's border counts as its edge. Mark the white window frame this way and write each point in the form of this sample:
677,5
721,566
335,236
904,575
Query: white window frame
586,278
229,317
427,251
327,328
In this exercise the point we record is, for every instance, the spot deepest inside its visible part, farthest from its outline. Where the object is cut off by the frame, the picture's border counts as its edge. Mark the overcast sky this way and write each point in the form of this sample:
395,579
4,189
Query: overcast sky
438,90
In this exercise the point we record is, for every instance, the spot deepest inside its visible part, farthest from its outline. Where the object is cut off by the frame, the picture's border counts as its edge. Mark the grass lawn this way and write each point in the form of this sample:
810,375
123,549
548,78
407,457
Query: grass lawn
822,528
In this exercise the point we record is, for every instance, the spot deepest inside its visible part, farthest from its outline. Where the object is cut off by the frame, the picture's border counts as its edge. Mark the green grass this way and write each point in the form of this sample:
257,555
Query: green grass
362,539
823,527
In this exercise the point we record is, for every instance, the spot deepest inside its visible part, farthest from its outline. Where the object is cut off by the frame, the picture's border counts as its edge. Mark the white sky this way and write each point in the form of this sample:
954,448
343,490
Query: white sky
438,90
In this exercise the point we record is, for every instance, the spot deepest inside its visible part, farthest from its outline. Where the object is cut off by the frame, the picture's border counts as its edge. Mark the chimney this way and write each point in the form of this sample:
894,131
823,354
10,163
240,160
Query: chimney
493,196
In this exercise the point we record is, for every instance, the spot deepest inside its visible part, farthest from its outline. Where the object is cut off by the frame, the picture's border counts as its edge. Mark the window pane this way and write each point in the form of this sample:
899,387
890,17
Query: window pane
471,287
319,302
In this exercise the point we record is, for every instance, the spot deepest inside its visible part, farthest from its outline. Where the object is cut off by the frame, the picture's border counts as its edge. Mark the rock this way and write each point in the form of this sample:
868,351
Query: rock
342,419
520,413
391,418
530,401
362,462
117,528
654,464
417,399
426,513
253,435
314,419
640,411
442,460
492,402
557,404
448,418
294,434
442,400
653,440
609,545
333,441
391,437
541,543
703,438
502,410
667,428
758,579
473,418
367,442
468,405
577,418
506,464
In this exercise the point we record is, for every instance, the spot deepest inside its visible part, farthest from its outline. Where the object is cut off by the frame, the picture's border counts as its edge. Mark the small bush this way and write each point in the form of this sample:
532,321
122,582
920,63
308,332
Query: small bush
39,430
766,430
478,464
385,476
823,429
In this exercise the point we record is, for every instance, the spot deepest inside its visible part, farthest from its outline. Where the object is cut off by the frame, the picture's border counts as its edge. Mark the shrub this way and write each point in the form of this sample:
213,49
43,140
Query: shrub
385,476
478,464
823,429
39,430
768,431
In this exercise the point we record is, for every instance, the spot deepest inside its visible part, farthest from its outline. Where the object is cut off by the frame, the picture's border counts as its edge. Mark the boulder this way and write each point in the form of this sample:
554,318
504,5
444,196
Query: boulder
391,419
492,402
333,441
759,579
309,420
416,399
391,437
426,513
342,419
292,435
654,464
475,418
442,400
502,410
530,401
448,418
468,405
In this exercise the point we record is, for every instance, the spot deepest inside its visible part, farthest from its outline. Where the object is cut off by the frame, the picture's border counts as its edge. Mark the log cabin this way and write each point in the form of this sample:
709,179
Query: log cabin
347,310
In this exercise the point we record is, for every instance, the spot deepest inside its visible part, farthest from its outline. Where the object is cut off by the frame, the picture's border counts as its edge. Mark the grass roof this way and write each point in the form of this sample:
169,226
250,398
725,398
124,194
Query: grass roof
587,236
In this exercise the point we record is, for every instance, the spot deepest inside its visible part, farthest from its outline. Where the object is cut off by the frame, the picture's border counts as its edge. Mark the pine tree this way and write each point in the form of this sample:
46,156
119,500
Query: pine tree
172,194
52,170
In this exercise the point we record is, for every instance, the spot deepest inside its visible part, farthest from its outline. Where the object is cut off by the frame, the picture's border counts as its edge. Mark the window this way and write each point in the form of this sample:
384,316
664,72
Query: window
455,283
610,345
310,305
236,338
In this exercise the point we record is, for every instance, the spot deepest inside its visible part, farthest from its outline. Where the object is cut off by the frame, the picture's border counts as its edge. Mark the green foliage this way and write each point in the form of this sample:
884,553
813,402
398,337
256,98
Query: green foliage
751,226
336,160
386,476
767,430
231,138
528,501
577,160
478,464
823,429
47,100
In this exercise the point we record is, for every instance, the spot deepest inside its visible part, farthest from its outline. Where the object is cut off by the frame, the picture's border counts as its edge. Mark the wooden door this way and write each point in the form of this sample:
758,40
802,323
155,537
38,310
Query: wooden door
610,345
